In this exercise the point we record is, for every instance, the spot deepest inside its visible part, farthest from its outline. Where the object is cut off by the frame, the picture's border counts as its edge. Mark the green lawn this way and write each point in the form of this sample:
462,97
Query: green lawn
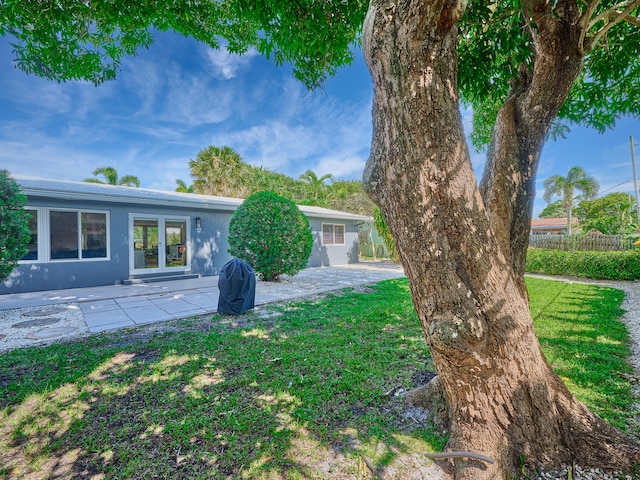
293,390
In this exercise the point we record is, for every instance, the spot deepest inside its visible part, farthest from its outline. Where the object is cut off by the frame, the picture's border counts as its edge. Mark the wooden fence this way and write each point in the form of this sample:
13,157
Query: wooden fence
599,243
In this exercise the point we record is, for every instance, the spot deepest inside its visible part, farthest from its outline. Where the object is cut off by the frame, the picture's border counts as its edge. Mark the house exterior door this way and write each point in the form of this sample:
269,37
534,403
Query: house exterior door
158,244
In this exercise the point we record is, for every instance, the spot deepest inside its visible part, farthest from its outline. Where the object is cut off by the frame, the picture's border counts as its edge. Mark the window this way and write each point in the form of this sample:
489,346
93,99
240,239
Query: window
332,234
63,228
58,234
94,235
33,240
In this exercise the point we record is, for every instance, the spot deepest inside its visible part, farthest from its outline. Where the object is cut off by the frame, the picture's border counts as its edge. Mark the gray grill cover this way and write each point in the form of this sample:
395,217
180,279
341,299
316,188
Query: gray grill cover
237,285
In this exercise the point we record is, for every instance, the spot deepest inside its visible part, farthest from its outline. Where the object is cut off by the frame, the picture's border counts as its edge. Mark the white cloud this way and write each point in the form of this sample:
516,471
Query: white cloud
226,65
350,166
315,133
144,80
50,160
193,101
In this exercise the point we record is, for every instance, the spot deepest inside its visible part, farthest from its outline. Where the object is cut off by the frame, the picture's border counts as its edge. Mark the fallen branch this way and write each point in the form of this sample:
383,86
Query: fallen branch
372,468
476,456
392,391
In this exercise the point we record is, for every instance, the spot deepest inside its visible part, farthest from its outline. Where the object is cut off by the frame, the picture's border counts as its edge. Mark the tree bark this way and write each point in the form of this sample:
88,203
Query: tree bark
508,182
505,401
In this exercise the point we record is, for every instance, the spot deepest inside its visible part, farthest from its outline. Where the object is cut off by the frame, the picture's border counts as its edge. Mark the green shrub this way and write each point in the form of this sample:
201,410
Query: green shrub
271,234
595,265
14,225
383,230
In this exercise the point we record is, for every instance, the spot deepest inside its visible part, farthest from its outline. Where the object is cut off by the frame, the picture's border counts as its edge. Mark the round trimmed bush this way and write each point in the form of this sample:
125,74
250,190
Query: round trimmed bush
271,234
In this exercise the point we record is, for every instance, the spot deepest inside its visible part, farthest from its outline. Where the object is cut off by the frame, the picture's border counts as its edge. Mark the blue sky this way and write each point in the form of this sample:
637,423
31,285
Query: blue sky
179,97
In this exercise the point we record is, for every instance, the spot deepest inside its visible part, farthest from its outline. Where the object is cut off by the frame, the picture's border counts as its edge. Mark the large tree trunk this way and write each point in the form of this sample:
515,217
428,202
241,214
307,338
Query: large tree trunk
505,401
508,182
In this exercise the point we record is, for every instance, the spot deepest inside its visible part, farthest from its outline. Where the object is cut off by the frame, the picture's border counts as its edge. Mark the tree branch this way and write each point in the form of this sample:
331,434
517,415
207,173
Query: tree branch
584,23
497,19
611,17
614,13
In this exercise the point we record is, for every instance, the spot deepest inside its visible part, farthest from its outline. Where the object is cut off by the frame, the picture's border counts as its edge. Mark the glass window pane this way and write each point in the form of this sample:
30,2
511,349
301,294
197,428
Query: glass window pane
327,234
339,237
33,241
145,241
94,235
64,234
175,232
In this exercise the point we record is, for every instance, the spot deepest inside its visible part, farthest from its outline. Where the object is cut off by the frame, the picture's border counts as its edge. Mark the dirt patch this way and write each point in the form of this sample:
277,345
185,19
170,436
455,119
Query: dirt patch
422,377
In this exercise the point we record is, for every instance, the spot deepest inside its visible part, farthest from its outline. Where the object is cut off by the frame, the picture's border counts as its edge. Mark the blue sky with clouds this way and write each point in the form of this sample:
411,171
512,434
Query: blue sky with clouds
179,97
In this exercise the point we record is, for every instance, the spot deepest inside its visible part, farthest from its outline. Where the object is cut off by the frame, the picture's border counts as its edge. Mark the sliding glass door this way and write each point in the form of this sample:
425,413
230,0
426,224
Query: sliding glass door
158,243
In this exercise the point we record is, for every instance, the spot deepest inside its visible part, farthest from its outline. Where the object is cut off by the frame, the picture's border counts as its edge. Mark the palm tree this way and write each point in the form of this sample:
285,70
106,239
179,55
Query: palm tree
316,184
219,171
576,179
183,188
111,176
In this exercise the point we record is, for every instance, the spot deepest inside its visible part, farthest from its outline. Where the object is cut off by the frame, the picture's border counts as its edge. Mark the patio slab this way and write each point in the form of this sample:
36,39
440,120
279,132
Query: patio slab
111,307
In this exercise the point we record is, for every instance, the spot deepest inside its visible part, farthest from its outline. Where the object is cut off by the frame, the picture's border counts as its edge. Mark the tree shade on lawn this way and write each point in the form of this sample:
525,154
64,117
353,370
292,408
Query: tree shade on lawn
522,66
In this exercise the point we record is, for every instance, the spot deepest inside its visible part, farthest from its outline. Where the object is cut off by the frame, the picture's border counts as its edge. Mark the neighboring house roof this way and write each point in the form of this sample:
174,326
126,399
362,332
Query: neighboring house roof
86,191
551,223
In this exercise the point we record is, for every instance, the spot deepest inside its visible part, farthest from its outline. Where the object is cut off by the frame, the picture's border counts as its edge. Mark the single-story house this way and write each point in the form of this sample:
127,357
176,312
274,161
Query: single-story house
552,226
87,234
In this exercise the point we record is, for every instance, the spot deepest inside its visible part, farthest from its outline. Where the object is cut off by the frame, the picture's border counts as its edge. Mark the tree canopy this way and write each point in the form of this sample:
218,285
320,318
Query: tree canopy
613,214
221,171
182,187
316,184
72,40
495,48
555,209
565,187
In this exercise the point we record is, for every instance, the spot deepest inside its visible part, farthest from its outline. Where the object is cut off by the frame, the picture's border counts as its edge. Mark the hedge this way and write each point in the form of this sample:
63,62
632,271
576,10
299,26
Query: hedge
596,265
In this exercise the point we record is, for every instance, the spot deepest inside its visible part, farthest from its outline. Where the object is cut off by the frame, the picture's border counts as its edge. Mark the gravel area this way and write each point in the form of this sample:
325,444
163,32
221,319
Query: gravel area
41,325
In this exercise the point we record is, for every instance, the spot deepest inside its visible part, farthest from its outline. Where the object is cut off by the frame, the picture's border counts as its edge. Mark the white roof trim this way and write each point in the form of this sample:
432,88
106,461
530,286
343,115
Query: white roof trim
95,192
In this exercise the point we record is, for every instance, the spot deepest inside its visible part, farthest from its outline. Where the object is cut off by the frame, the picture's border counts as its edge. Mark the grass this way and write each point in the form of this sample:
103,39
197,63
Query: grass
290,391
587,345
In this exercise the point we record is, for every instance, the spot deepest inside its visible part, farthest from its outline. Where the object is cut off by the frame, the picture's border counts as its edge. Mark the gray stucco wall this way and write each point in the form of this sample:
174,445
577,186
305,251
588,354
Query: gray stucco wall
209,249
325,255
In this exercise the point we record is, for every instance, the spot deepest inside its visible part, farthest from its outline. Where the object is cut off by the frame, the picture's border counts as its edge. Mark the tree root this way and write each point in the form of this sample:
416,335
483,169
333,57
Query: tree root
431,398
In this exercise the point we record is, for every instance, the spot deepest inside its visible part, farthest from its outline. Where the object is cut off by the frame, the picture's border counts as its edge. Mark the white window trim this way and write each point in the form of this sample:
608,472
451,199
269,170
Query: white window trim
334,225
44,235
161,228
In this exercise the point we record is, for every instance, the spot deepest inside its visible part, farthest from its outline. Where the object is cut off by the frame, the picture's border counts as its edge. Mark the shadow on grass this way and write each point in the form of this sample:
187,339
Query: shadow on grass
585,341
292,391
299,393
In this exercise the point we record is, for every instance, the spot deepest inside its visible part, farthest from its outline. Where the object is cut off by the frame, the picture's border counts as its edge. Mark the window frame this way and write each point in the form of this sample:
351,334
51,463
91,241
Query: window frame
43,226
333,234
38,214
161,220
